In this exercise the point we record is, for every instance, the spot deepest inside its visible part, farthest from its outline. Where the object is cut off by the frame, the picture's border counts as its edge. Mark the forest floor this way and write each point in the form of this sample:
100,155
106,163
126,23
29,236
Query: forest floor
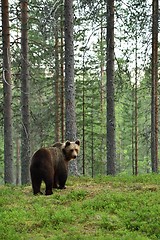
103,208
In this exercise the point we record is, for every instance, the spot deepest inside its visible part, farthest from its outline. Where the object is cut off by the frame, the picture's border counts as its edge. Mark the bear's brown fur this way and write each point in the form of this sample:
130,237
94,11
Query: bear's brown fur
51,165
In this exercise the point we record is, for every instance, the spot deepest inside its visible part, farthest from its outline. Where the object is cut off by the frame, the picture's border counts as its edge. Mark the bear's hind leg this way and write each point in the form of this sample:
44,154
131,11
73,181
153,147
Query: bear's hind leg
36,184
49,189
49,186
55,183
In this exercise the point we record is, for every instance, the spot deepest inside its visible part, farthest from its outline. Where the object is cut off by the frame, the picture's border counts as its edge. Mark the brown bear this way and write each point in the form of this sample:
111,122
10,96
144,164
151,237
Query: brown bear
51,166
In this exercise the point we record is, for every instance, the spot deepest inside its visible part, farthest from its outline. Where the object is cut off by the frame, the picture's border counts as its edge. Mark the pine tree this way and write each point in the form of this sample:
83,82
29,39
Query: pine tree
25,134
111,145
7,93
154,104
70,128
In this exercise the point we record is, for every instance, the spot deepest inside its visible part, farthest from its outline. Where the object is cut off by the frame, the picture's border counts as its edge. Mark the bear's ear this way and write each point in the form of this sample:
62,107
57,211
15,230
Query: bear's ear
77,142
67,143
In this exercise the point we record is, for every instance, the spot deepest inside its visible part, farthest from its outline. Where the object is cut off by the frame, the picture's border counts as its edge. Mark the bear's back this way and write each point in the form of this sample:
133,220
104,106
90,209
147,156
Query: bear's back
41,158
56,154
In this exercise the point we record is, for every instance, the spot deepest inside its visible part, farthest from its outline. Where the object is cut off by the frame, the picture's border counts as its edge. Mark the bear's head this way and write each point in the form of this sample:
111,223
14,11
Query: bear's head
71,149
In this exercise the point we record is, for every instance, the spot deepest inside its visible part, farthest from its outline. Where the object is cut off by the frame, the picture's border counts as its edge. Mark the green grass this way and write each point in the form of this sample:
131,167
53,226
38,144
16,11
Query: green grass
104,208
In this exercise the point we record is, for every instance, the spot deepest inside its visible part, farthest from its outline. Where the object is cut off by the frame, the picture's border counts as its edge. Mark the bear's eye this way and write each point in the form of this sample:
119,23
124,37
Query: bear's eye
72,150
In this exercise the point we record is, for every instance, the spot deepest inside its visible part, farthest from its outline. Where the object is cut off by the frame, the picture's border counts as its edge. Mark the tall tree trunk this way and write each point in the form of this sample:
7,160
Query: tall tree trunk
133,130
71,130
57,97
17,161
111,145
136,110
154,104
83,123
92,137
7,91
25,135
62,77
102,95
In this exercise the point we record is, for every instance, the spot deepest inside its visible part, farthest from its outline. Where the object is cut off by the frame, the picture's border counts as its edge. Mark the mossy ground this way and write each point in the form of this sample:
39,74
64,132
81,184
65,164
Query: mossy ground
104,208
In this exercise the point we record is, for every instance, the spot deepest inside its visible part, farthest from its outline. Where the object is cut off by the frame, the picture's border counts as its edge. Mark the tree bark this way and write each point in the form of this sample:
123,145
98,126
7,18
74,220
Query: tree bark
62,78
57,95
154,103
70,114
111,145
17,161
7,91
25,135
136,109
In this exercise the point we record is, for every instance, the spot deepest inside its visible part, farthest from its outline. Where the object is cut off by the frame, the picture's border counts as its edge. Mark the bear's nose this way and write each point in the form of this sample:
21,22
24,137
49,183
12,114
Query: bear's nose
74,156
